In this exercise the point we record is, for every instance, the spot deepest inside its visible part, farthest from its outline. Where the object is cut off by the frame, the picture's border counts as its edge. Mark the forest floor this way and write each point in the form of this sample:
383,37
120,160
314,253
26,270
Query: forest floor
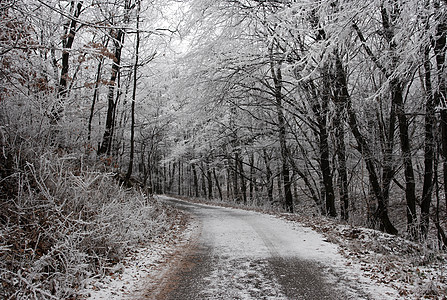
144,268
399,268
413,270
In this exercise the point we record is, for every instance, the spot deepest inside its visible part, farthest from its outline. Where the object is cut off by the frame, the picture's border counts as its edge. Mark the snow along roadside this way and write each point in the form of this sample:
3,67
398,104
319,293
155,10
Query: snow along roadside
142,271
384,266
239,264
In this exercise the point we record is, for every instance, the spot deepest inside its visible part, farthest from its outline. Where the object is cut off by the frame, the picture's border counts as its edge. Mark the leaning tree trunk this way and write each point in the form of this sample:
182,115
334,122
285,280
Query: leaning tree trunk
410,186
364,149
95,98
219,189
396,90
67,43
203,181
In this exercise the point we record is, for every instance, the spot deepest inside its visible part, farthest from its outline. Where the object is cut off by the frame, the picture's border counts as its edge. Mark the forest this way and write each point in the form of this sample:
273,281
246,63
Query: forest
334,108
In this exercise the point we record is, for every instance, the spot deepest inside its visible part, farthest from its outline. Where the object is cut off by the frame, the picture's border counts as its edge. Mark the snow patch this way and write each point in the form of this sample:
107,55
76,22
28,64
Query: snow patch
139,271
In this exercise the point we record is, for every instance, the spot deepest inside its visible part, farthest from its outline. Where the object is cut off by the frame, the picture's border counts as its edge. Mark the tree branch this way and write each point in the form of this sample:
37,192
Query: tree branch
369,51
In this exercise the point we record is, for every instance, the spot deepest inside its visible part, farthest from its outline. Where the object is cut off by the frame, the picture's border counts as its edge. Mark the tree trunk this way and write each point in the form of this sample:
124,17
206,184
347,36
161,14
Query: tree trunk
219,189
269,176
210,182
180,178
67,43
341,156
252,176
116,67
307,182
171,176
243,180
275,69
442,238
95,97
397,107
389,17
149,173
196,181
111,105
134,93
440,52
410,188
429,147
324,147
203,181
228,179
363,147
235,178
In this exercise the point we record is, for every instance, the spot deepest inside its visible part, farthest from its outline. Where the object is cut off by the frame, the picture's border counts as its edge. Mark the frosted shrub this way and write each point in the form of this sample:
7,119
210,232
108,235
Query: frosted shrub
62,223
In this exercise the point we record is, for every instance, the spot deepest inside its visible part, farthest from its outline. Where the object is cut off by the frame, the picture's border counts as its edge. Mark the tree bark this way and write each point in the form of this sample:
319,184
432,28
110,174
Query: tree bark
203,181
116,67
363,147
410,187
340,100
269,176
219,189
180,178
95,97
228,179
341,156
67,43
195,180
252,176
134,93
111,105
235,177
210,182
324,147
275,70
435,99
389,17
243,179
429,147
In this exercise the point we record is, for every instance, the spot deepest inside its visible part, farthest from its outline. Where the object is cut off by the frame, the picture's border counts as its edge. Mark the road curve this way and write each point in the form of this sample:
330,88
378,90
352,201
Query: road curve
240,254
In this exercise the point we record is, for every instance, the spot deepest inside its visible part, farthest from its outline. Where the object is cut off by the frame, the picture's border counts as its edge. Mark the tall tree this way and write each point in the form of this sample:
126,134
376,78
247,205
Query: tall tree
70,29
134,93
275,69
118,34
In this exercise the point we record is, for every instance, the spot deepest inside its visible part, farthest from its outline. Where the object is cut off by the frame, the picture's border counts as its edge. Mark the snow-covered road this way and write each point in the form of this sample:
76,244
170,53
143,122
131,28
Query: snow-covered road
240,254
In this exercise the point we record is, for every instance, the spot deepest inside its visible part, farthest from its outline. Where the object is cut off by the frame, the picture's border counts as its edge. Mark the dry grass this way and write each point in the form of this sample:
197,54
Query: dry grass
63,222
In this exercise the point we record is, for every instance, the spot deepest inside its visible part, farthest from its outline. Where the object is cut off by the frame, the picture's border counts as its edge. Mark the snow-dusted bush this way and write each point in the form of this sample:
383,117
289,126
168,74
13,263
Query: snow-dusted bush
62,222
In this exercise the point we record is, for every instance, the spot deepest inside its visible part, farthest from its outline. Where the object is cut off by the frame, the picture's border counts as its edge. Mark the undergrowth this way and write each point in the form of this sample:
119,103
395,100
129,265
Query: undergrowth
62,222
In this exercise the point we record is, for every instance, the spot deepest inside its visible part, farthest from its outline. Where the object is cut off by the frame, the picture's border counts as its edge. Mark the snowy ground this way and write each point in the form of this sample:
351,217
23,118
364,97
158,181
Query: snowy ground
250,255
140,273
365,264
412,270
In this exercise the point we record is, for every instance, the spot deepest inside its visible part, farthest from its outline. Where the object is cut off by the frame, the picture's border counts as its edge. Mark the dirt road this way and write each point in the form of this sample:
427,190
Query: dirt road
241,254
